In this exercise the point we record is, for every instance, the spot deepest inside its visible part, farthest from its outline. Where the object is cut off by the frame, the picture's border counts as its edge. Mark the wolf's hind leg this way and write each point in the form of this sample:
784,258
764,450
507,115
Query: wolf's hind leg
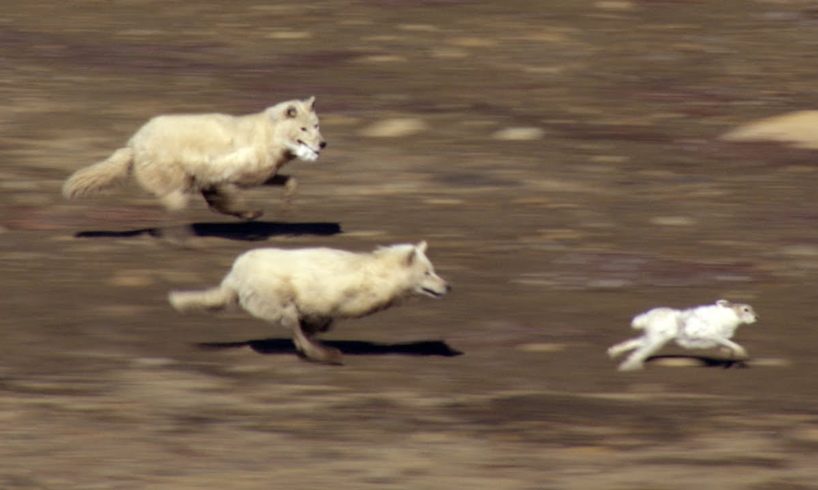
172,232
309,348
227,199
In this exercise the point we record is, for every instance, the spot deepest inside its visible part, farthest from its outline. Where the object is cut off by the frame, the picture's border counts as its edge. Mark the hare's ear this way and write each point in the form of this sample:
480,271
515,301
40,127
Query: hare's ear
291,111
723,302
310,103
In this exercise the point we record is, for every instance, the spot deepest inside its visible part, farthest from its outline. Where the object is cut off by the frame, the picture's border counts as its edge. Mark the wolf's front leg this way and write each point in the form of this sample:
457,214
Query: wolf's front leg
289,183
227,199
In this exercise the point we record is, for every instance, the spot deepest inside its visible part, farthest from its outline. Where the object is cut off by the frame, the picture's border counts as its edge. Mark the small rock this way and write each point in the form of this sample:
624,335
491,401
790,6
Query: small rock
614,5
541,347
440,201
153,362
672,221
131,279
800,250
798,129
471,42
769,362
394,128
382,58
519,134
289,35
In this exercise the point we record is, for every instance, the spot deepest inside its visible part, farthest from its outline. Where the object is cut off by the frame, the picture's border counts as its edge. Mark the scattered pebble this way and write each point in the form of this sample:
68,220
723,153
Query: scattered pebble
519,134
382,58
289,35
444,201
394,128
672,221
614,5
449,53
153,362
471,42
800,250
544,347
132,278
799,129
769,362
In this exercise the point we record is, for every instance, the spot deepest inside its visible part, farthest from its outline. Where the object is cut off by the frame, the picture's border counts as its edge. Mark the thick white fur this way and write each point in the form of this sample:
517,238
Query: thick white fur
176,156
306,289
701,327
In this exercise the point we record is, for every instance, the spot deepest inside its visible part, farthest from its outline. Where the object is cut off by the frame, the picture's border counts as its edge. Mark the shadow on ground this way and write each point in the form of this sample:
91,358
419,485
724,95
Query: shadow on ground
246,231
348,347
701,361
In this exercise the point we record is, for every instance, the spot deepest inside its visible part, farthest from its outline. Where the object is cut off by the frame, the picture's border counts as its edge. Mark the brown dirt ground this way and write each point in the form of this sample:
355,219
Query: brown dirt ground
621,198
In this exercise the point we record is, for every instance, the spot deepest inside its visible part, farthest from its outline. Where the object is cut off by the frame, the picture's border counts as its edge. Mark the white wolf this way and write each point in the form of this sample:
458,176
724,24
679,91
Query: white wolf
176,156
304,290
701,327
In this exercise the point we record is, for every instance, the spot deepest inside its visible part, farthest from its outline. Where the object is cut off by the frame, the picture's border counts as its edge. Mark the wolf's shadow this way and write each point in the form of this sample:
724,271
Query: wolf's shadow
348,347
704,361
244,230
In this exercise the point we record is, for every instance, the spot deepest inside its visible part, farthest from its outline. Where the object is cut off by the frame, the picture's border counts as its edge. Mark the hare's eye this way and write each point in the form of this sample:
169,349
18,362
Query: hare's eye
303,129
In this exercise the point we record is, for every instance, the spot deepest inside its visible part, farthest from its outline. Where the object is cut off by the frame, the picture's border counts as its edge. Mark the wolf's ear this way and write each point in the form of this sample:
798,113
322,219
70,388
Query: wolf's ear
723,302
421,247
411,257
291,111
310,103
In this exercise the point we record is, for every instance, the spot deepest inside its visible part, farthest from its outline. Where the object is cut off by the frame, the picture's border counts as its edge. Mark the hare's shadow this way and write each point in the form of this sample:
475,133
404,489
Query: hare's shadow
244,230
704,361
348,347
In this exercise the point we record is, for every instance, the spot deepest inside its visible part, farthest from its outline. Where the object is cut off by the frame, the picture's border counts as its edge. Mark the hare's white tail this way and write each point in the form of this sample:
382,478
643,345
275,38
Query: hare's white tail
654,317
213,299
100,176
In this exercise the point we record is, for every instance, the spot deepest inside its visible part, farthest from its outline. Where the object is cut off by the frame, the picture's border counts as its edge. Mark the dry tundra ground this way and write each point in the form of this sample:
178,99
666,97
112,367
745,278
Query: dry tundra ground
563,161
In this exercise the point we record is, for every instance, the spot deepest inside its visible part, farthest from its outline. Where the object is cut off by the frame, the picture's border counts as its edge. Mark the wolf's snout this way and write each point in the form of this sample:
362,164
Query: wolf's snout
323,144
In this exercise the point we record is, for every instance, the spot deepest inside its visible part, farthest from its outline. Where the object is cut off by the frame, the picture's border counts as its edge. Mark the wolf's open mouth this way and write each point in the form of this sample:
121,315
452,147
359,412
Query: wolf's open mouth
432,292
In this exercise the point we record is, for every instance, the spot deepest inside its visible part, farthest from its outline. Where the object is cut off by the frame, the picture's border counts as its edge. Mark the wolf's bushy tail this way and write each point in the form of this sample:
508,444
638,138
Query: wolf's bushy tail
213,299
89,180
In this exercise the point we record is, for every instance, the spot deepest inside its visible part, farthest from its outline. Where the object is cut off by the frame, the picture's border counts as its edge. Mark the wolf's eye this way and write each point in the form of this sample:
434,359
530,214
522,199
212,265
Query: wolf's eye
303,129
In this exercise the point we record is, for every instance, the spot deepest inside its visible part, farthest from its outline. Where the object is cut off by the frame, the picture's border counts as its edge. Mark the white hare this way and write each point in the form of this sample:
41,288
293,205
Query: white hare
701,327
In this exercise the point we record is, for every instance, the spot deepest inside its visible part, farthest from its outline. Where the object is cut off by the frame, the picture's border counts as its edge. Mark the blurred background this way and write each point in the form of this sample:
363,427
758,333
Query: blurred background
571,164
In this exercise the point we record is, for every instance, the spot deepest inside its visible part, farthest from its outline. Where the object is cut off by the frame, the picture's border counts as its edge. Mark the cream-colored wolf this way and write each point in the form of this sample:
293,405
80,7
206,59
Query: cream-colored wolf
304,290
176,156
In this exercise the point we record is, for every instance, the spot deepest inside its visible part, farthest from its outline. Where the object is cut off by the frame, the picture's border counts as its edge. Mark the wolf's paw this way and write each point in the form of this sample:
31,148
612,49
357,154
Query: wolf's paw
324,355
290,188
250,215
